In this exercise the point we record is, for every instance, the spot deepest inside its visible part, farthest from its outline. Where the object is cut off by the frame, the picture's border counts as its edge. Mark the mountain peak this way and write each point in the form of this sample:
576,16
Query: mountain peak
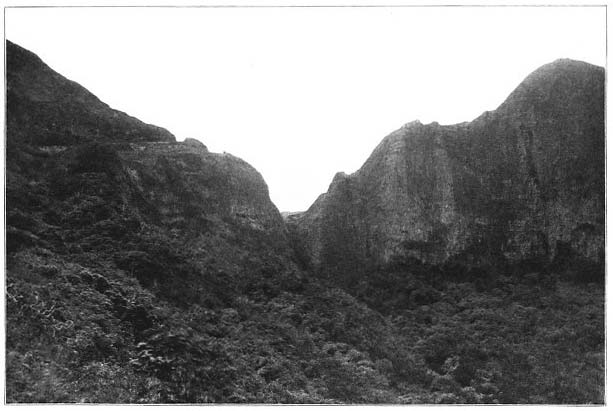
554,83
532,172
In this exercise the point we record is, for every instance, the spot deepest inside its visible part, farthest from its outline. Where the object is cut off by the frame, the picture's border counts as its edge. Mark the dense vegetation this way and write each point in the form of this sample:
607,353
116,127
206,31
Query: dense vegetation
131,282
87,332
105,306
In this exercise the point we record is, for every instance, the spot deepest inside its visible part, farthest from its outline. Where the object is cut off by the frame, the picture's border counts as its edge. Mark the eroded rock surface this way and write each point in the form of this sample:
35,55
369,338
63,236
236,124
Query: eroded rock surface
524,183
144,270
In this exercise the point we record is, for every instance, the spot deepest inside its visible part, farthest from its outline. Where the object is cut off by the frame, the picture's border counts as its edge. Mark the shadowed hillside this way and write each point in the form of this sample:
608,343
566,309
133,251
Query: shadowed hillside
140,269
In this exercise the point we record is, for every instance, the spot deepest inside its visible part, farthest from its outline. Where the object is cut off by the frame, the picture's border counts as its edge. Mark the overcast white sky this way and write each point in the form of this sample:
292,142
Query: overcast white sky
301,93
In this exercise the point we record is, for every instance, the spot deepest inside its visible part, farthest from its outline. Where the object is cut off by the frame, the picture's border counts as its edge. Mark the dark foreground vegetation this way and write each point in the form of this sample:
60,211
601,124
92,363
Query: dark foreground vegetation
141,270
103,306
87,332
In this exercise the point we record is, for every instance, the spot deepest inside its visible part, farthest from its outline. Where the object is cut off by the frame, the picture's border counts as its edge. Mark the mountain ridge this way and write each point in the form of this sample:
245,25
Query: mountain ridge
140,270
39,93
435,189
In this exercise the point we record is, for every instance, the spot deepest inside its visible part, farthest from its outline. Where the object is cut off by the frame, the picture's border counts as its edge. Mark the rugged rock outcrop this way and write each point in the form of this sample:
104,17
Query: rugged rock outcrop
50,114
144,270
524,183
82,177
141,269
185,183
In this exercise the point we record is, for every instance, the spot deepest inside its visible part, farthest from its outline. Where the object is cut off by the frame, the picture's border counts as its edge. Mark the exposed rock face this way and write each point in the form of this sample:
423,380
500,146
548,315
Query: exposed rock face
186,183
522,183
144,270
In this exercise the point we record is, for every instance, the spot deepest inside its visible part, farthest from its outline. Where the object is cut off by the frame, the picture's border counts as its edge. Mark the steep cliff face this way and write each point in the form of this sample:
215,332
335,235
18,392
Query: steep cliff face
524,183
118,238
144,270
187,184
93,186
87,178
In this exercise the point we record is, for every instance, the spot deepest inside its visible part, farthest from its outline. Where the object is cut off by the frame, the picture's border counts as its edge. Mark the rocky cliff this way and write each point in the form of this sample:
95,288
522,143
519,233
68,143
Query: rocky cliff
144,270
57,129
524,183
118,235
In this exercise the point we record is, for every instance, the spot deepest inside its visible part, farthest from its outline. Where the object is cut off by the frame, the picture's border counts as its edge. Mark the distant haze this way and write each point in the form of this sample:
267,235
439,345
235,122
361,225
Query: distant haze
301,93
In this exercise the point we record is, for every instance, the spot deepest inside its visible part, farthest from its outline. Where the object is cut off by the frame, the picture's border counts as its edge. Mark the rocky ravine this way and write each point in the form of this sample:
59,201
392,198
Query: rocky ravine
521,184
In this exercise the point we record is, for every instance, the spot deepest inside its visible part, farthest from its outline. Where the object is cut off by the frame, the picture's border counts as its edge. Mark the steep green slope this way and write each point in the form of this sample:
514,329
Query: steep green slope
48,109
141,270
144,270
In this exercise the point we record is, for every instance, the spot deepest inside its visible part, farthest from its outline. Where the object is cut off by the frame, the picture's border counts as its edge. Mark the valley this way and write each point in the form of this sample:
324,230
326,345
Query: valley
460,264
